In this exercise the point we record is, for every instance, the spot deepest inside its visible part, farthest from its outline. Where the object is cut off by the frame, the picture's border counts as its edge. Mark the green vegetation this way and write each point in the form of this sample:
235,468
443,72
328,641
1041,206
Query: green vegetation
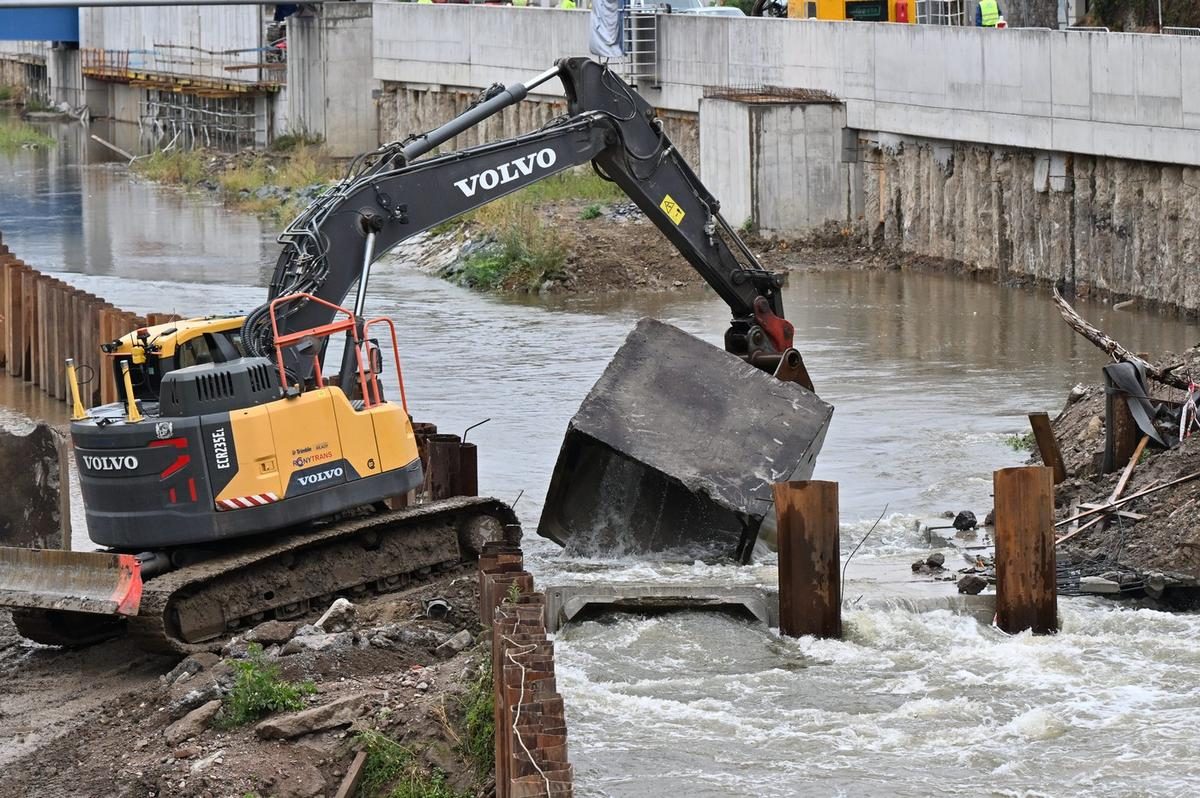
290,141
37,104
7,93
259,690
524,253
1019,442
242,178
591,212
479,706
16,135
393,771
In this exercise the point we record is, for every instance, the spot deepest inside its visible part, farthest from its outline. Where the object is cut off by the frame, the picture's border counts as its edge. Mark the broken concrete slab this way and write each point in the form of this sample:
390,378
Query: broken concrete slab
675,449
35,505
341,712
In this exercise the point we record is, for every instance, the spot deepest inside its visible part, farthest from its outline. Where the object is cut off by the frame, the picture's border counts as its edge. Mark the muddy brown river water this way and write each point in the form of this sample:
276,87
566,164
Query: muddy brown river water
928,374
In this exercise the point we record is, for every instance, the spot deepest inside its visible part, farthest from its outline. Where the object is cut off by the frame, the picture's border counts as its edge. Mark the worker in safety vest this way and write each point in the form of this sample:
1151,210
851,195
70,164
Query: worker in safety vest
987,14
424,2
567,4
520,3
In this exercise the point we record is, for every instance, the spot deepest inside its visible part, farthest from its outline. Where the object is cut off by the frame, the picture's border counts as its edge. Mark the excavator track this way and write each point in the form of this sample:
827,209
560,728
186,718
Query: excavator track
198,607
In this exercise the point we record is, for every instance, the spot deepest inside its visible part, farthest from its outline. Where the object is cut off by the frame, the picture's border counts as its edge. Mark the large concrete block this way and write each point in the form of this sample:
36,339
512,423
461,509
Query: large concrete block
35,509
675,449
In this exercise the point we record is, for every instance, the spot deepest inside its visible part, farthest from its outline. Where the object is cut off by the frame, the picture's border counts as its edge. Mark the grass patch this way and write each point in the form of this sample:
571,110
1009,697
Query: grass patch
1020,442
18,135
591,212
526,253
38,104
7,93
180,167
259,690
479,704
290,141
393,771
573,184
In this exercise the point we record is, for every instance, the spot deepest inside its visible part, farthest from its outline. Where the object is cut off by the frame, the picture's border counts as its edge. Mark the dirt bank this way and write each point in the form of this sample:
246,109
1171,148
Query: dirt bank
112,721
1167,540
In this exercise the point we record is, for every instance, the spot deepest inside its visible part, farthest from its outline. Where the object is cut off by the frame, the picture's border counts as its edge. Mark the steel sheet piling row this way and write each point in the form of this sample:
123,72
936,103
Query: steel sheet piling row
531,729
44,321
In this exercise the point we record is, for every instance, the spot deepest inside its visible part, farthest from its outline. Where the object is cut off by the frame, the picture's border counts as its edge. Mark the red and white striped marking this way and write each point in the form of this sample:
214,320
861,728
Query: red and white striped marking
246,502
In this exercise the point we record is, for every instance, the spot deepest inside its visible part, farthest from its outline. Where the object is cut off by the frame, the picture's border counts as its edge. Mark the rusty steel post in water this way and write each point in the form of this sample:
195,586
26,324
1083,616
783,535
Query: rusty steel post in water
810,594
442,478
1026,582
468,470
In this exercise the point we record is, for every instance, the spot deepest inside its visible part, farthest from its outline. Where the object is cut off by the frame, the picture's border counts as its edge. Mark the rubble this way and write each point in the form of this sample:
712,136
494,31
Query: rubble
341,712
972,584
136,724
338,618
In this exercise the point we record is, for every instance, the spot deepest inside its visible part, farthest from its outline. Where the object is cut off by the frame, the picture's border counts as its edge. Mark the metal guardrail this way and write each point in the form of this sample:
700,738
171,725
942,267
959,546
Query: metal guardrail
1173,31
1088,29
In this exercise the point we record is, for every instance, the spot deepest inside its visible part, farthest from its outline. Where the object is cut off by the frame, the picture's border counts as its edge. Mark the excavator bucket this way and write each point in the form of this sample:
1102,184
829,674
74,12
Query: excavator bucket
675,449
78,581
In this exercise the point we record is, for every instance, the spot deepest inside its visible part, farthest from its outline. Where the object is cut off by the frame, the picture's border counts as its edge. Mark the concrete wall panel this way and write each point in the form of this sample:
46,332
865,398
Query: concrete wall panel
1026,86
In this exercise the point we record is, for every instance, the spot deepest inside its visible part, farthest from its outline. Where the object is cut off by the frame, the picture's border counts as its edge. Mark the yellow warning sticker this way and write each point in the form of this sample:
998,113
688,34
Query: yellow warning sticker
671,209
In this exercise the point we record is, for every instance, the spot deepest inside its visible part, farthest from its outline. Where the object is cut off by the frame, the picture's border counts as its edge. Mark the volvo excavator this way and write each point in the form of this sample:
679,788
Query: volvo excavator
228,485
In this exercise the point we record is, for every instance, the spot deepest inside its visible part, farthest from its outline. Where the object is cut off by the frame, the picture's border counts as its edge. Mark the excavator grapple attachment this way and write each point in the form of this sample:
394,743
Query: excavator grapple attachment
675,449
76,581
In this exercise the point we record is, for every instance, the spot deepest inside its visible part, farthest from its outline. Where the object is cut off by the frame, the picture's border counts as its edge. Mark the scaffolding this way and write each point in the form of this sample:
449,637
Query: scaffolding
169,119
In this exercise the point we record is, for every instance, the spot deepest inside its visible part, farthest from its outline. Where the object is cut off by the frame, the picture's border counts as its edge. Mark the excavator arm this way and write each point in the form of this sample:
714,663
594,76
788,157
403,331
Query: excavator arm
393,193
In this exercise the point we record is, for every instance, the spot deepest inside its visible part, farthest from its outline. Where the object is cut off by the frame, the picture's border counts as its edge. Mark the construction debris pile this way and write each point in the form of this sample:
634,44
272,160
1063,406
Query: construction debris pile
398,678
1154,542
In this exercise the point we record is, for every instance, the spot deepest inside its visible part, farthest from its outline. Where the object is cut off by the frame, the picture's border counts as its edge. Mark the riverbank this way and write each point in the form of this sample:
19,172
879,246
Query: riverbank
281,712
1162,548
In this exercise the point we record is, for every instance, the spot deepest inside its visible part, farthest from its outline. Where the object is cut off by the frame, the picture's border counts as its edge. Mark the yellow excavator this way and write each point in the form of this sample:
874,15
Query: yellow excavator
229,485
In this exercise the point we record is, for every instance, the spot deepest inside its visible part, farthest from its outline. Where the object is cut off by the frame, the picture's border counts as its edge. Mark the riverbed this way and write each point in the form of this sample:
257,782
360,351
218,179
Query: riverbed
929,375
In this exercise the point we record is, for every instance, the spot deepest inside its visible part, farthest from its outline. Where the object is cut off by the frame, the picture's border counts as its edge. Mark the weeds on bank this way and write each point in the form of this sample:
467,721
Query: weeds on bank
259,690
392,770
525,252
290,141
1019,442
590,212
7,93
18,135
479,704
241,180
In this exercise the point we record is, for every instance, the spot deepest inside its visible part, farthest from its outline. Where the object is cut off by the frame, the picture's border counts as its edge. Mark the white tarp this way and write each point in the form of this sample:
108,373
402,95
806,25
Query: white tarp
605,40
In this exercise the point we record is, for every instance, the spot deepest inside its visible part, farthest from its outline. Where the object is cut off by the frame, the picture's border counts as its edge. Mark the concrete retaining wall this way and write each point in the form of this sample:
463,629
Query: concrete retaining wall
1110,226
1115,95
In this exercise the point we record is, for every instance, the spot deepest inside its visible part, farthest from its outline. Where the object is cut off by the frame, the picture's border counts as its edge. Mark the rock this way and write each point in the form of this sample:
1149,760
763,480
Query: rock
308,629
990,518
193,699
972,584
215,758
190,666
33,462
1077,393
936,560
191,724
338,618
318,642
965,520
1095,426
272,632
341,712
918,566
301,781
455,643
186,752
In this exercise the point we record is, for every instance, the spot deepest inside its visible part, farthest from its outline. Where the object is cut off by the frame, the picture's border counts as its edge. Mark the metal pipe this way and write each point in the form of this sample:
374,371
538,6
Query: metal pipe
351,352
473,116
360,299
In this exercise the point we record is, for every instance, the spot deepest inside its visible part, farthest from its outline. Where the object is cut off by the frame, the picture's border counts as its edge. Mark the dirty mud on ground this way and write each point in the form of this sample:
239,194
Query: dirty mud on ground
1168,539
110,720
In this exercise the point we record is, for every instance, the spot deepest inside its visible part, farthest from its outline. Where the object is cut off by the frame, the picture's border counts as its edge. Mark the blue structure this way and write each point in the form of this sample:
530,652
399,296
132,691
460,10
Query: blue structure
39,24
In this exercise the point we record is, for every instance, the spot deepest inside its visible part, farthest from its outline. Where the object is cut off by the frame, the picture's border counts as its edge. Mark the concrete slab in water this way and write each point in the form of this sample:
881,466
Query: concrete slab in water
674,451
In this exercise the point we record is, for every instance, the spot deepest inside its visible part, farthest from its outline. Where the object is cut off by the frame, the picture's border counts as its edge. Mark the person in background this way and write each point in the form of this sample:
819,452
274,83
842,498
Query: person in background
567,4
987,14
